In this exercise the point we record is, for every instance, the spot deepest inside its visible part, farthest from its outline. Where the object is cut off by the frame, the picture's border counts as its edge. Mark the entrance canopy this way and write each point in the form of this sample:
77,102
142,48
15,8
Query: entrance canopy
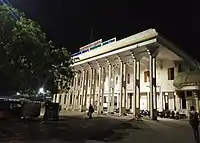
187,81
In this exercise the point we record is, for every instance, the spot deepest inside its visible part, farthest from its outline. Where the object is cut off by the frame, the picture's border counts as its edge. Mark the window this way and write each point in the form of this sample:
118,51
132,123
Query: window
65,99
171,74
116,81
146,76
128,76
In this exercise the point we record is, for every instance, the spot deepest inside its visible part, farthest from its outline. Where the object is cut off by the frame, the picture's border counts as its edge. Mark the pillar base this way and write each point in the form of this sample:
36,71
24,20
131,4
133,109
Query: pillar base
123,111
82,108
137,111
111,111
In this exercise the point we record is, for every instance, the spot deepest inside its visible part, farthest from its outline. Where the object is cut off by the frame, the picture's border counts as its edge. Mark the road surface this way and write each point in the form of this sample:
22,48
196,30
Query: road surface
77,128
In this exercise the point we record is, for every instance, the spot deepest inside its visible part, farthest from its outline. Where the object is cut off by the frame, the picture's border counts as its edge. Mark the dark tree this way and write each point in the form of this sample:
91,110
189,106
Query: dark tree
28,60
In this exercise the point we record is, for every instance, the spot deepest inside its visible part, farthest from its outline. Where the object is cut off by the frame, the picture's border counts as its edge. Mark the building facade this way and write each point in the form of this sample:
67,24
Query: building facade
135,73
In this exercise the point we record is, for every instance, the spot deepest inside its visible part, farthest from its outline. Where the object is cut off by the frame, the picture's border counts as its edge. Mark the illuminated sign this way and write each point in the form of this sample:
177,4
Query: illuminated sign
98,42
93,45
109,41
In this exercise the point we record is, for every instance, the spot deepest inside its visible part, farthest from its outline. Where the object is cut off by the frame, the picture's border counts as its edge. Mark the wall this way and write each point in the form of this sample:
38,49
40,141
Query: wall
163,83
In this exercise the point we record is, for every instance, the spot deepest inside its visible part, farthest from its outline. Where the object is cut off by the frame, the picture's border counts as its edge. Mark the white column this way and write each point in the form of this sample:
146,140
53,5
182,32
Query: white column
161,100
164,100
138,87
53,100
195,94
178,107
83,89
94,87
74,91
86,88
181,106
69,98
148,101
153,93
124,87
109,87
187,103
112,90
77,91
134,99
99,94
102,89
121,89
91,85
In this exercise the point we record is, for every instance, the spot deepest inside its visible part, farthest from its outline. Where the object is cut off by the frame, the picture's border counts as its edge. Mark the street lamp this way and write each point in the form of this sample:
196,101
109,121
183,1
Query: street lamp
41,90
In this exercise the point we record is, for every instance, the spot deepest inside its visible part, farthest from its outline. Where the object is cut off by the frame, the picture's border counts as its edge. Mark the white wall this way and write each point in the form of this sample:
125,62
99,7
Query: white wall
161,79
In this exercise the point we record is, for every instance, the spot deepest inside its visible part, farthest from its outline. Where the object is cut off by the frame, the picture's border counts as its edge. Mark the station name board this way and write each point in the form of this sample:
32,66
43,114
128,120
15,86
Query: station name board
93,45
96,43
109,41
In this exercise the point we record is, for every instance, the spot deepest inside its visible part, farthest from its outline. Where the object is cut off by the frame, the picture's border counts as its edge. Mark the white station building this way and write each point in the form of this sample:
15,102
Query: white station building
141,72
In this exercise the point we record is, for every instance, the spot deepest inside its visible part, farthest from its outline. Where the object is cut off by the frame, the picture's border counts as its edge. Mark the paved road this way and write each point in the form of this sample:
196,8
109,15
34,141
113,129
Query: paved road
71,128
162,131
75,127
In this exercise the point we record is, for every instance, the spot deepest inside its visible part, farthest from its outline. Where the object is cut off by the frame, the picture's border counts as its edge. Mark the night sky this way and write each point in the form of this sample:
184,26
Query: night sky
68,23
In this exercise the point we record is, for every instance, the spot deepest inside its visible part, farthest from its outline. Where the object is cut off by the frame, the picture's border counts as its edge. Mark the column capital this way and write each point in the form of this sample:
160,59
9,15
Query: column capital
89,65
108,62
153,50
137,57
119,58
98,64
82,68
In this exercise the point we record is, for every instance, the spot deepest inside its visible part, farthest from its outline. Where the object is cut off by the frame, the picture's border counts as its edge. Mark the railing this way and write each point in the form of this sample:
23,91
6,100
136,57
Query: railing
94,47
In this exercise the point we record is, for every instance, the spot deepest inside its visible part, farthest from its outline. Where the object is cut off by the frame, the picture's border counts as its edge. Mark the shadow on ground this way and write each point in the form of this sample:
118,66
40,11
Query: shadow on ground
71,129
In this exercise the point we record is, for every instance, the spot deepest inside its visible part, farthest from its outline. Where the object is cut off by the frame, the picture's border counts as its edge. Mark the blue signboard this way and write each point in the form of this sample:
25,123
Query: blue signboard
109,41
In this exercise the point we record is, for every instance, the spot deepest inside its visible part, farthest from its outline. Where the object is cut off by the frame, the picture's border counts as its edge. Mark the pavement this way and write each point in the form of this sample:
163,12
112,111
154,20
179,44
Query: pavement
75,127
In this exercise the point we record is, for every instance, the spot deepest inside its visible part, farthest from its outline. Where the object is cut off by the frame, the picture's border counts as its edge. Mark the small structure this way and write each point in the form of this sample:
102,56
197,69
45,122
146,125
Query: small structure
188,88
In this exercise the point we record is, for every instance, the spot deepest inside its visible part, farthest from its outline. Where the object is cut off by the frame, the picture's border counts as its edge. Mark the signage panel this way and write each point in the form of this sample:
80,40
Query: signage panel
91,45
109,41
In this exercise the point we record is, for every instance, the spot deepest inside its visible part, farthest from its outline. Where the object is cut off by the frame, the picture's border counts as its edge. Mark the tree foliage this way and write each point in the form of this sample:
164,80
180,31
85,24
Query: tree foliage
27,59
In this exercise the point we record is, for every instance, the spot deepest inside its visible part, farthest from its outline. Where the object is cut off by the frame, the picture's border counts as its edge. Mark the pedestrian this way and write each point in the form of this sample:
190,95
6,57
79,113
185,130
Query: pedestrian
91,110
194,122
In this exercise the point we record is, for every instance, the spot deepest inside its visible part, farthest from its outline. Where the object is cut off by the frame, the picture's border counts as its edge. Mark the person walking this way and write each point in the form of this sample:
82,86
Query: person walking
194,122
91,110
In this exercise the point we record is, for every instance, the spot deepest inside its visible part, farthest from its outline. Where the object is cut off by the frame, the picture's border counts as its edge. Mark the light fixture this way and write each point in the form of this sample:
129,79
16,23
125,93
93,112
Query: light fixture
41,90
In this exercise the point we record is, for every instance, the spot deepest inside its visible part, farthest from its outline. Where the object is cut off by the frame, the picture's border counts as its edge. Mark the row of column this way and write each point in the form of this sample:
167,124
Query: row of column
82,97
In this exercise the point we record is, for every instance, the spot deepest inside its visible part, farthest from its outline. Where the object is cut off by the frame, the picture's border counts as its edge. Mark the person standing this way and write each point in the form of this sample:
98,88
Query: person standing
194,122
